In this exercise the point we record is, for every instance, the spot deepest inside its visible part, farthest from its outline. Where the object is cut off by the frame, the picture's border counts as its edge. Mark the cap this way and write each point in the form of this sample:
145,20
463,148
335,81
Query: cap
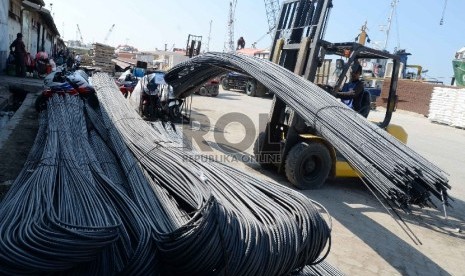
356,68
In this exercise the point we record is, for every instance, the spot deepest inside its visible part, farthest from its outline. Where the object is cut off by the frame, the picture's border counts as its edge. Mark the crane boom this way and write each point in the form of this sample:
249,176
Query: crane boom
108,34
229,44
79,33
272,9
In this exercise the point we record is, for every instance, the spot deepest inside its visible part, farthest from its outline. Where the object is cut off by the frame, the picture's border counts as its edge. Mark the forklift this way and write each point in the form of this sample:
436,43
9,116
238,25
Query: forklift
288,143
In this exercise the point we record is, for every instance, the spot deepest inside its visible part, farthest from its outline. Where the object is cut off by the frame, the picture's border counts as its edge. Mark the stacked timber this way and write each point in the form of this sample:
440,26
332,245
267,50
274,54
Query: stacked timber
102,57
87,60
448,106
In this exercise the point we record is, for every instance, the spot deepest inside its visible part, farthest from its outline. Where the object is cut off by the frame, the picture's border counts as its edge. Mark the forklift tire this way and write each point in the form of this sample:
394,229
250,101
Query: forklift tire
203,91
260,158
41,103
224,84
251,88
308,165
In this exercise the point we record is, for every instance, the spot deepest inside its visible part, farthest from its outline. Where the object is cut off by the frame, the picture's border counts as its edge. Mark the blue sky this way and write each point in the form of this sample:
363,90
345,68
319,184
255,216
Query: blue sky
149,24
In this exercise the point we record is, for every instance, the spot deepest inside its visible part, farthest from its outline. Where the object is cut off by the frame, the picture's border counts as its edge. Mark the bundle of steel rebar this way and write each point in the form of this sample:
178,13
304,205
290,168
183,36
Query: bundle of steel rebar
208,217
397,173
103,192
63,214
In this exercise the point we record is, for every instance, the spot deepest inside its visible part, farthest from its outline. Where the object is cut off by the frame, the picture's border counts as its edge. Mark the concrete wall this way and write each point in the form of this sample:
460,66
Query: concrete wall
412,95
29,23
29,31
48,42
4,5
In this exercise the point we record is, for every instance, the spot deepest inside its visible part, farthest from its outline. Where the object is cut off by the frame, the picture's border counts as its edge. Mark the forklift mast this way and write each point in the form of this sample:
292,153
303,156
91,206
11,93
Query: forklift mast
194,43
296,47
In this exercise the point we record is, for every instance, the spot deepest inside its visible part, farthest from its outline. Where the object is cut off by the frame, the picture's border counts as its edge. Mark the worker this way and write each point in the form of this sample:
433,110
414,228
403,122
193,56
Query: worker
240,43
19,54
77,61
70,60
353,94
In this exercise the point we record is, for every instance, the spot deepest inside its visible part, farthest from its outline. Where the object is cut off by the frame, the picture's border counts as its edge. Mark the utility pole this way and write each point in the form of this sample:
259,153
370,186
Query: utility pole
229,44
209,37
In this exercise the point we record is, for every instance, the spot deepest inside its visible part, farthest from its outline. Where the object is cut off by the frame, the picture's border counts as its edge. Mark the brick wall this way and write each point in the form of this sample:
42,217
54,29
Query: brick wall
412,95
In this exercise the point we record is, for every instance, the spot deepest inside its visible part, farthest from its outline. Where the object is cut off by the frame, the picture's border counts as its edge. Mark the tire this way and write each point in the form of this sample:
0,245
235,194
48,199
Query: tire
203,91
224,84
215,91
308,165
174,112
261,158
251,88
41,103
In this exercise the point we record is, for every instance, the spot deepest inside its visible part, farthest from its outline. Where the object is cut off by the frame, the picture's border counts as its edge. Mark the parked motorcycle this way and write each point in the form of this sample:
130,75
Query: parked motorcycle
64,82
126,83
157,100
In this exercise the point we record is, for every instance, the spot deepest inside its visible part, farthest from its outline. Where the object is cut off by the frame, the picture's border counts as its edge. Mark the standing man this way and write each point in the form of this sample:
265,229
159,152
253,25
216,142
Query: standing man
19,53
240,43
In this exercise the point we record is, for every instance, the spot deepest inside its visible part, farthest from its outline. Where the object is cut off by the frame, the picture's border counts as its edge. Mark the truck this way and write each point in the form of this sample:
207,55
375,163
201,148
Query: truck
244,83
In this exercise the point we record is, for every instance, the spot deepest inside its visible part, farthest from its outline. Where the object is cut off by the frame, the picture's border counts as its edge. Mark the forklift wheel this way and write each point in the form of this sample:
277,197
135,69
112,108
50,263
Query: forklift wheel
259,157
308,165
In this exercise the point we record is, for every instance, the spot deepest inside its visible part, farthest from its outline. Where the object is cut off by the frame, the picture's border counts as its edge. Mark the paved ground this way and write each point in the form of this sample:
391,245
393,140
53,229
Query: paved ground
17,136
367,240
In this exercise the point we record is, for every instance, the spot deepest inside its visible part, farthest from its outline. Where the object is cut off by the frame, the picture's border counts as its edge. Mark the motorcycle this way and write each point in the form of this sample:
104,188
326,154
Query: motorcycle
127,83
63,82
157,100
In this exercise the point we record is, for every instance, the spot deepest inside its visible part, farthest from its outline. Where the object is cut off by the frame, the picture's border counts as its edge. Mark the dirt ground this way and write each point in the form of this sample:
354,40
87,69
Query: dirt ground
366,240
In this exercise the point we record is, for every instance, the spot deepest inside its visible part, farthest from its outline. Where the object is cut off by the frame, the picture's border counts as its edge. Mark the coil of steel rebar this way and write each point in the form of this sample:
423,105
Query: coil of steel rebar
208,218
63,215
394,171
103,192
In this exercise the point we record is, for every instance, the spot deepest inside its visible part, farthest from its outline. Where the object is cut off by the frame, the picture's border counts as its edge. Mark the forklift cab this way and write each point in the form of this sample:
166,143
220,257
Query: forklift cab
349,53
296,149
288,143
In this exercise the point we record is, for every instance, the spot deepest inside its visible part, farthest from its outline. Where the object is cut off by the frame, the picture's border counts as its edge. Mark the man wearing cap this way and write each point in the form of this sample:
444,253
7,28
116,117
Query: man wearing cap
19,53
352,93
